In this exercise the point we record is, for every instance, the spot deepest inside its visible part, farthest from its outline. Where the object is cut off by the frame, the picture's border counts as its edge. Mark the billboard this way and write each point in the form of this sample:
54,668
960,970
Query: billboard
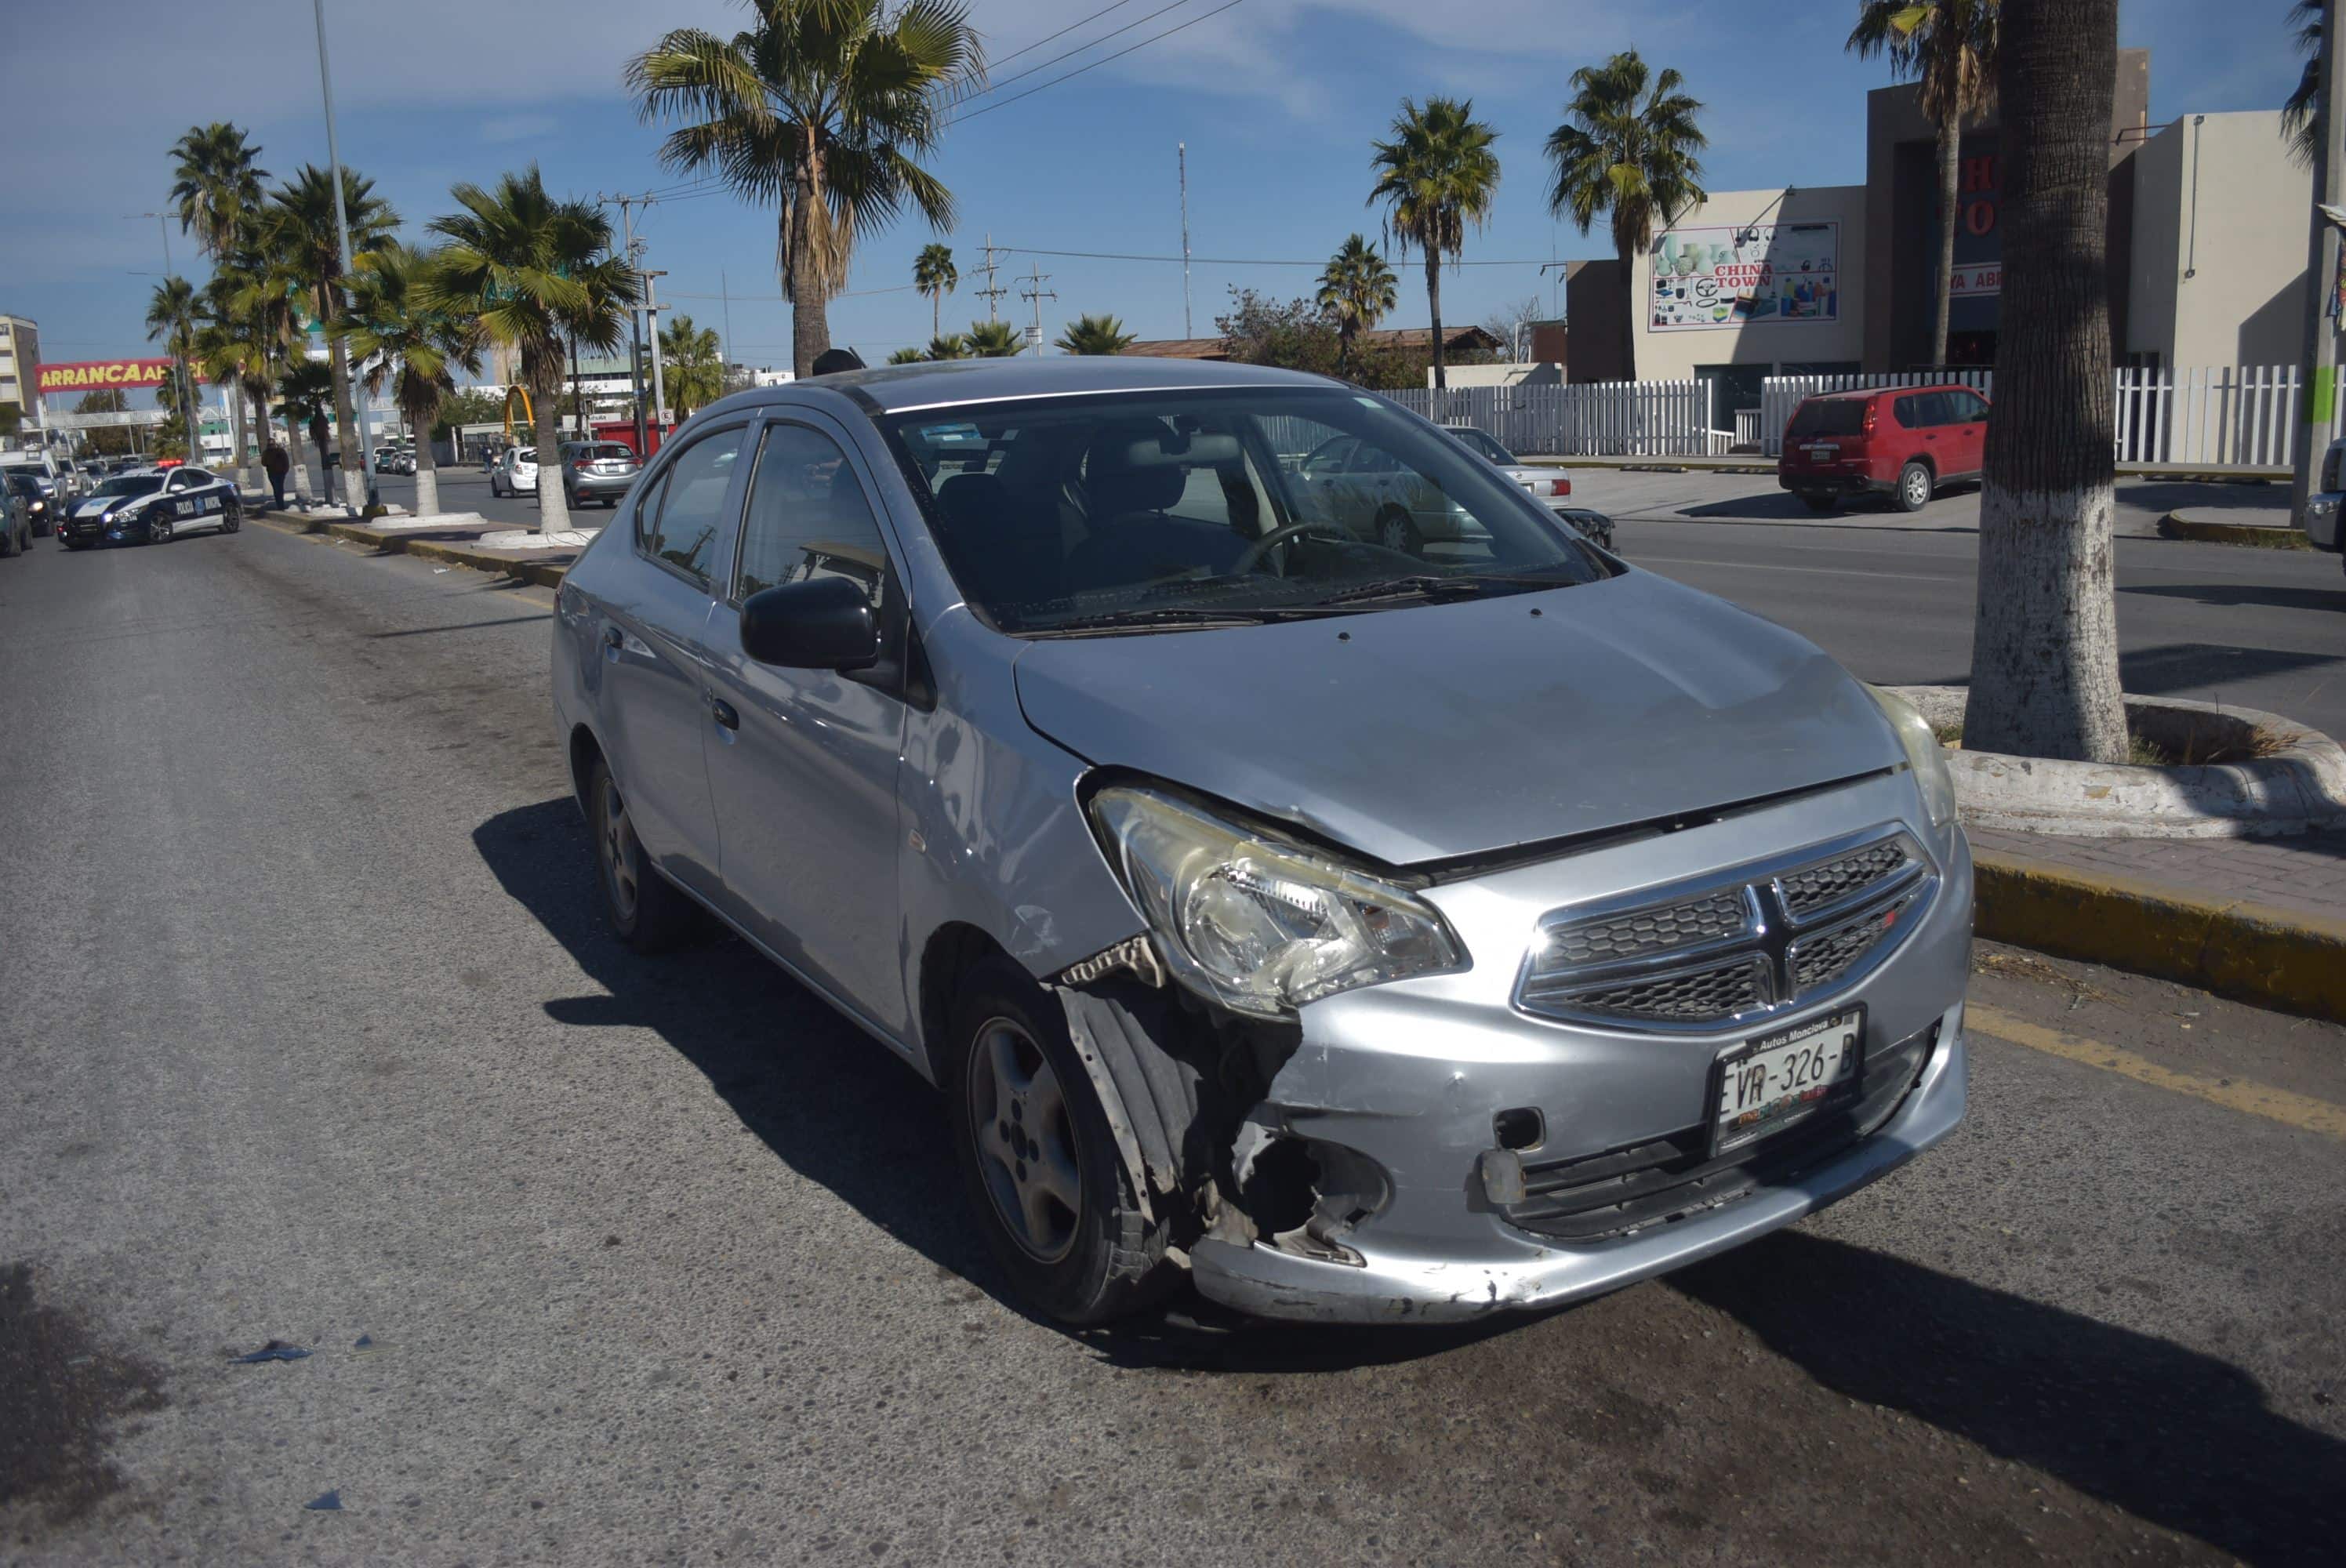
1735,274
105,375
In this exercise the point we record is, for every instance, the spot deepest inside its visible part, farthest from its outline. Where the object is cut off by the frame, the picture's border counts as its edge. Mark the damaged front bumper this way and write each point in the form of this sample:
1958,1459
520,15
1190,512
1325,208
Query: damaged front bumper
1406,1106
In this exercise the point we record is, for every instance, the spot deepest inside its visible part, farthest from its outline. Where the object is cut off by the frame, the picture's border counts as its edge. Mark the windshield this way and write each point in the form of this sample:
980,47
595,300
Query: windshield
130,484
1145,511
1828,416
1482,443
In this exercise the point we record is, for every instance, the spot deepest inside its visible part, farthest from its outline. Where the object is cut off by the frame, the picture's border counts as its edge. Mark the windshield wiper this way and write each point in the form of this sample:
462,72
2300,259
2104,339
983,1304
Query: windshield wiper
1200,619
1432,585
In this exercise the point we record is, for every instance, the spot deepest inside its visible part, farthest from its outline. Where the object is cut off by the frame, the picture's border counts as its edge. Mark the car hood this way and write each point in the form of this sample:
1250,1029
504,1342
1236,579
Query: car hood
92,505
1441,730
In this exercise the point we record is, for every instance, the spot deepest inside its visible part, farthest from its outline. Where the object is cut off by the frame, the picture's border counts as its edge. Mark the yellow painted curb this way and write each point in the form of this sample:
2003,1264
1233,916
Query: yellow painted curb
2174,526
2249,951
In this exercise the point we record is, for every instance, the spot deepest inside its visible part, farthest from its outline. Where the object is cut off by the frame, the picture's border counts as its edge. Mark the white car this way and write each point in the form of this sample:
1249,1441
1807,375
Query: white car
2321,508
515,473
1547,486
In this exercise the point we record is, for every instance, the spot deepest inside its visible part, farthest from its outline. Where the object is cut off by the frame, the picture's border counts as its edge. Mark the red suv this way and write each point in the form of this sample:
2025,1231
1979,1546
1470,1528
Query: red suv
1901,441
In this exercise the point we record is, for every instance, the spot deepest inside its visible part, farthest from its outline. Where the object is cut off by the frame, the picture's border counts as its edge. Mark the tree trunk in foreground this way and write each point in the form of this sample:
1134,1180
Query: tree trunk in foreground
236,433
300,458
1434,307
427,475
553,513
1951,164
2044,665
346,430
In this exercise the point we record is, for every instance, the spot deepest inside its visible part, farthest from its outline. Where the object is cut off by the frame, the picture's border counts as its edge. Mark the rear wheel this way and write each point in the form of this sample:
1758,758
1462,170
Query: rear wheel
1914,487
647,910
1039,1160
231,515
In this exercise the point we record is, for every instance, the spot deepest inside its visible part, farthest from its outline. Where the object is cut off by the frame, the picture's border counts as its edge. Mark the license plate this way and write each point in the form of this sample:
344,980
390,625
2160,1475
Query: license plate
1821,449
1776,1080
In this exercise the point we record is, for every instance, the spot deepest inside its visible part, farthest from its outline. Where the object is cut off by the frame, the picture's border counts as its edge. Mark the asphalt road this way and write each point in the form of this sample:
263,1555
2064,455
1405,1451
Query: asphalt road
312,1034
1893,597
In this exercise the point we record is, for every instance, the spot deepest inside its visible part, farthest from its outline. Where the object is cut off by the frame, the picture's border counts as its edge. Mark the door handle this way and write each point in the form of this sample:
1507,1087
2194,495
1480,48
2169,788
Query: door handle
723,713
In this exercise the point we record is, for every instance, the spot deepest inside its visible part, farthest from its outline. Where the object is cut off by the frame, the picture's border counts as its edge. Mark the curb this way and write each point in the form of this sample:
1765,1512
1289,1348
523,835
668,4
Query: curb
543,573
2248,952
2174,525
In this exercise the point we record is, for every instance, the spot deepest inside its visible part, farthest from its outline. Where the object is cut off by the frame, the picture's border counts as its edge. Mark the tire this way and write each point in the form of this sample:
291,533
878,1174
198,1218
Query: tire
160,530
646,909
1397,530
231,515
1913,491
1029,1132
1819,500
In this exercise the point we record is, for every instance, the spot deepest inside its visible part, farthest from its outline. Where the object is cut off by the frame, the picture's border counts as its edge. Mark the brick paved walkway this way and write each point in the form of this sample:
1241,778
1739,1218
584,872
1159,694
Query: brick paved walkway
2306,873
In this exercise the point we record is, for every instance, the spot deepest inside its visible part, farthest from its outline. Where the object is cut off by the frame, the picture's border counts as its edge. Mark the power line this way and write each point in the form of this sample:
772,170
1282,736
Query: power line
1104,59
1069,55
1063,32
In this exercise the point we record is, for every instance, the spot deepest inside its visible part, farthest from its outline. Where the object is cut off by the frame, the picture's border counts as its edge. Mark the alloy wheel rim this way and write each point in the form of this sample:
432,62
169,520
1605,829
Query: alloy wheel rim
1918,487
620,869
1025,1137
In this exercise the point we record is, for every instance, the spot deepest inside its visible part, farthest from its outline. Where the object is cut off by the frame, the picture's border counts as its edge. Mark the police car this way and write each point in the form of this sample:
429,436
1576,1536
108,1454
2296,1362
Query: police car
151,506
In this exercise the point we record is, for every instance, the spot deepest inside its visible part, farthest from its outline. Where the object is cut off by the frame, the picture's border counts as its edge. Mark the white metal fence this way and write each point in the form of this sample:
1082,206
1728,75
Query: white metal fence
1619,418
2220,416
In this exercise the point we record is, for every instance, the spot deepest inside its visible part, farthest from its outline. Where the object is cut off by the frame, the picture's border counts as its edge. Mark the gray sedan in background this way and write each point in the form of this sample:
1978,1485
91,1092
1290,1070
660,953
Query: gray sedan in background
1369,931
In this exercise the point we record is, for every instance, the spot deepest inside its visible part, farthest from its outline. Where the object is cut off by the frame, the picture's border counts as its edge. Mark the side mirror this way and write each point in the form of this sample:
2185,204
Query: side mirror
821,623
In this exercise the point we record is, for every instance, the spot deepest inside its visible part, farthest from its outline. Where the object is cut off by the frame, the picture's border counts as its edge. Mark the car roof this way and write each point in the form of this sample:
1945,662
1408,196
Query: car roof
1854,394
893,389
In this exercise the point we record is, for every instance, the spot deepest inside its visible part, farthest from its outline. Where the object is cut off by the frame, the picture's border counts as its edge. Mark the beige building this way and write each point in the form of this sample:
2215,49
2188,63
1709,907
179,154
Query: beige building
20,366
2217,276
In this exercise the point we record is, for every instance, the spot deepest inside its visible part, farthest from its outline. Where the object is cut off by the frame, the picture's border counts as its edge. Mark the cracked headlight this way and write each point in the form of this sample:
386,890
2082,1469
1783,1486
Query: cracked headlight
1923,753
1260,925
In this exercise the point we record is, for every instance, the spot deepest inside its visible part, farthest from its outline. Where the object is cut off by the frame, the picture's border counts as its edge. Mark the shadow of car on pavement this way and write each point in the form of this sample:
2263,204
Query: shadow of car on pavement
2170,1435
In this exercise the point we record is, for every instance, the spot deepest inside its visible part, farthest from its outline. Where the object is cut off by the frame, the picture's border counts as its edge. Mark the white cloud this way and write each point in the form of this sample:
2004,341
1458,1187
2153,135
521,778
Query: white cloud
515,127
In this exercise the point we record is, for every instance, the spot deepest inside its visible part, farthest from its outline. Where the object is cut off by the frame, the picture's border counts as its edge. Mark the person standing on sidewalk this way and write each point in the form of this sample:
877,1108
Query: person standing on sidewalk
274,462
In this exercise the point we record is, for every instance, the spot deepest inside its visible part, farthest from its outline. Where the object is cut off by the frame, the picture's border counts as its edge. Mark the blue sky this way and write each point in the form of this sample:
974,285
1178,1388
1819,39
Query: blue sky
1277,99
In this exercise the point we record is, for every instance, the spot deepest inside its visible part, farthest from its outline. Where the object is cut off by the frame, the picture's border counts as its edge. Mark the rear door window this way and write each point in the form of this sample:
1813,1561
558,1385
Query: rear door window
1966,407
682,535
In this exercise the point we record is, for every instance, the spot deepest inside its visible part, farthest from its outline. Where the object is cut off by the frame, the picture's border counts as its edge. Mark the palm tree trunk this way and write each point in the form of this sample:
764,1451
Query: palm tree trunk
1433,304
937,315
346,430
1951,145
2044,666
427,476
553,511
236,433
809,310
299,457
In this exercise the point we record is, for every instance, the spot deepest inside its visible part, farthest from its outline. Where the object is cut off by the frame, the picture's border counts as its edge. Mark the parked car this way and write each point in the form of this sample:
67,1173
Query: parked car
30,512
514,472
1547,486
1376,935
1364,488
2321,508
154,507
597,471
22,510
44,469
1906,444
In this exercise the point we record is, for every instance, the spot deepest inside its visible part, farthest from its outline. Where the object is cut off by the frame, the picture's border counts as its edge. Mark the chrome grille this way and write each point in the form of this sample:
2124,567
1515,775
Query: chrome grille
1748,942
1641,932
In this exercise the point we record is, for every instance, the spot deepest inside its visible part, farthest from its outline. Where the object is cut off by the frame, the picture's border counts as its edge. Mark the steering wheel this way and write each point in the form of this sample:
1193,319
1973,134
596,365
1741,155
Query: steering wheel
1252,556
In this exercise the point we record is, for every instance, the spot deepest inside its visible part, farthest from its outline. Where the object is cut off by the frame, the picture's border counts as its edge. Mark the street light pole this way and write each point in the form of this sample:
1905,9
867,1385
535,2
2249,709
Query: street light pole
2318,403
342,239
651,323
182,391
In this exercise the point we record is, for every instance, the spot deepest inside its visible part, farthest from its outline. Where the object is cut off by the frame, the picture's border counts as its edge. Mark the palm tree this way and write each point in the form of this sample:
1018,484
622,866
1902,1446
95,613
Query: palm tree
993,341
1950,45
1094,335
934,276
171,321
416,346
1626,151
2045,647
2300,117
1436,175
1357,288
947,346
257,297
535,273
305,398
820,108
298,227
216,187
907,355
691,365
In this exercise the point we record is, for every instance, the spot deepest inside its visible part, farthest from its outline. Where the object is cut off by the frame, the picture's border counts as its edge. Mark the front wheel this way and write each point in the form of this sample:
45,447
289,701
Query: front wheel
1039,1160
159,530
1914,487
1397,530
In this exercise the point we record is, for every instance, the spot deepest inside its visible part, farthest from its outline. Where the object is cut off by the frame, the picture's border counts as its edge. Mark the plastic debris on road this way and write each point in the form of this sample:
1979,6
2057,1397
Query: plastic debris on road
326,1501
275,1351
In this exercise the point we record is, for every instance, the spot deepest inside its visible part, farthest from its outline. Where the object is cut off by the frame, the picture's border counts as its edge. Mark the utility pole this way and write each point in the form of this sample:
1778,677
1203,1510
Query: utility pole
182,385
725,348
342,235
992,290
635,316
2319,404
1033,293
651,318
1181,149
